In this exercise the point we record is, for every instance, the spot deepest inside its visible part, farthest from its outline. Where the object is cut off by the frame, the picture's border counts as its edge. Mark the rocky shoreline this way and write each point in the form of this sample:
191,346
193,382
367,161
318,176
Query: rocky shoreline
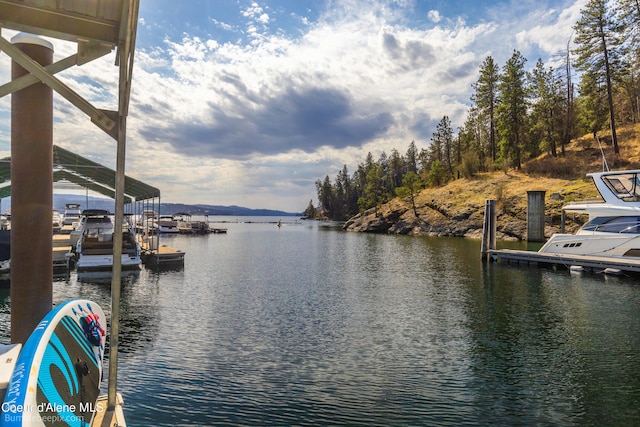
403,221
459,211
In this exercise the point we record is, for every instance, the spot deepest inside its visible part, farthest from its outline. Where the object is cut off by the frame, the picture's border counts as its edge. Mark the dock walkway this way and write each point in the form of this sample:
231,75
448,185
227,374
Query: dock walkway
594,264
108,418
61,245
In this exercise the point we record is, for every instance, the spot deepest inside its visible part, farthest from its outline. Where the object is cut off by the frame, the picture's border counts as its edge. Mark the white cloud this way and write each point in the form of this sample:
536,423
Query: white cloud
434,16
553,30
258,122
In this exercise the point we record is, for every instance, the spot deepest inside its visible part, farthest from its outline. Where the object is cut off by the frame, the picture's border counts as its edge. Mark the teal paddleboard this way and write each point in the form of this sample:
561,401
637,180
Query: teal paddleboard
56,380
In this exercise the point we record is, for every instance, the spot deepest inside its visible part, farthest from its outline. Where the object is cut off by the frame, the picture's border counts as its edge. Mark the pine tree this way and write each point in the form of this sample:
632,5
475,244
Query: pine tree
568,101
629,17
443,139
411,158
397,168
374,190
326,195
592,103
310,212
599,51
545,91
411,186
512,110
486,99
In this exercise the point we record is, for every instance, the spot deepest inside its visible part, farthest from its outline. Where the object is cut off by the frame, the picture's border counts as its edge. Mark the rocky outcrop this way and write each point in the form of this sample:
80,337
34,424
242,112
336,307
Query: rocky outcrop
458,210
402,221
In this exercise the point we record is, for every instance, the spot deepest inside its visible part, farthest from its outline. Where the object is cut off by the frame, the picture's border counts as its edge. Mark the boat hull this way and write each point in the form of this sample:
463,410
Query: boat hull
105,263
595,244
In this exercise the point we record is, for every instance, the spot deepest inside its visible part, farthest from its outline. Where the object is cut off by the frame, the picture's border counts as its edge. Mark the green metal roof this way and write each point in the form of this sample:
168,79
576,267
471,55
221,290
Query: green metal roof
68,166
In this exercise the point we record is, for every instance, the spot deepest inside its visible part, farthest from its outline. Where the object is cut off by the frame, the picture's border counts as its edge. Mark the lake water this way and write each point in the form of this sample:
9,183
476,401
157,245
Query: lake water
309,325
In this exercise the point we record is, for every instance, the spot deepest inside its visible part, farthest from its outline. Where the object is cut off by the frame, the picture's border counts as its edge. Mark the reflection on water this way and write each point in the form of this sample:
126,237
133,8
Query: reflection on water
308,325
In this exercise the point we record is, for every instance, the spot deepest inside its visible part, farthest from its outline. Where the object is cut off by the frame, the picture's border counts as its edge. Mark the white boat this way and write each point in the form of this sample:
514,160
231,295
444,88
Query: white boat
56,221
147,223
93,219
94,250
5,221
168,224
8,358
71,215
183,221
613,228
201,227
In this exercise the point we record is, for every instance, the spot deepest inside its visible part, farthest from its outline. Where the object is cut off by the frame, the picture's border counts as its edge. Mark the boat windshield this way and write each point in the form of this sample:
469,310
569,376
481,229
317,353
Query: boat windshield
614,224
625,186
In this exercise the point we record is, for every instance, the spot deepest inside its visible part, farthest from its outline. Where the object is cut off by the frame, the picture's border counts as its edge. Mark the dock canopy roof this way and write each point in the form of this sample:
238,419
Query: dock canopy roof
68,166
73,20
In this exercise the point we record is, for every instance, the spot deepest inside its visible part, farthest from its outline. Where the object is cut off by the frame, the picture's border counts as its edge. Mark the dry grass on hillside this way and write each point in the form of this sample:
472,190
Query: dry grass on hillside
564,175
584,155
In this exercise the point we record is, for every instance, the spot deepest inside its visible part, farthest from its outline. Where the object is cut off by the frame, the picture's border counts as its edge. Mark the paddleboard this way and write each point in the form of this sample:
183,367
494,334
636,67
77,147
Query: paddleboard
56,380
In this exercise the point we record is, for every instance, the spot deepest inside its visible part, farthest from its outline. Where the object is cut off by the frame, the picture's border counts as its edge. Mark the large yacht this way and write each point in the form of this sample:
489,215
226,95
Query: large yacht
96,220
613,228
95,247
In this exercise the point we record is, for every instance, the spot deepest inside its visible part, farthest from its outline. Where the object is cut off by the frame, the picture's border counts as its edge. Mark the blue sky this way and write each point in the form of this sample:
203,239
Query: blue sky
250,102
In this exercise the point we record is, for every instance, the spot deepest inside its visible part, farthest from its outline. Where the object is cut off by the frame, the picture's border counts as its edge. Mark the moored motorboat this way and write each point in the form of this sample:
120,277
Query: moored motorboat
167,224
71,217
183,221
71,214
56,221
613,227
94,250
201,227
95,220
147,223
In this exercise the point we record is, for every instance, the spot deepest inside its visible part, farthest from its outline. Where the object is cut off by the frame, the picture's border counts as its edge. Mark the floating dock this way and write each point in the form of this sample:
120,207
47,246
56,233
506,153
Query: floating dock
594,264
157,255
66,229
589,263
61,251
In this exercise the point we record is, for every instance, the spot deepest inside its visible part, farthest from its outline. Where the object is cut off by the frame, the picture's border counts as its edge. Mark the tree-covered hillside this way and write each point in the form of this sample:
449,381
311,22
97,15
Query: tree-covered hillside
516,114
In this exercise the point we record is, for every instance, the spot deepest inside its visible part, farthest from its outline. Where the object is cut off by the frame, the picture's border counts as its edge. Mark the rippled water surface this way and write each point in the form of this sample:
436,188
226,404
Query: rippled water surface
309,325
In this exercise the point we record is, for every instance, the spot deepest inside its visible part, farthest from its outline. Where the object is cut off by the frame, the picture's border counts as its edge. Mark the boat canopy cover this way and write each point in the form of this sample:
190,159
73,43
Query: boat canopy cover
68,166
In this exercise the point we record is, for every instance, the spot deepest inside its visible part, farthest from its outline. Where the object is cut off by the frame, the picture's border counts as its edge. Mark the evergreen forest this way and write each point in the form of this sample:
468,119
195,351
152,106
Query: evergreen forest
516,114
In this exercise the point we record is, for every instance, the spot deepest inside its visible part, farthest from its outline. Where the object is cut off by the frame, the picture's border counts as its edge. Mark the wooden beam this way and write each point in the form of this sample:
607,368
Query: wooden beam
98,117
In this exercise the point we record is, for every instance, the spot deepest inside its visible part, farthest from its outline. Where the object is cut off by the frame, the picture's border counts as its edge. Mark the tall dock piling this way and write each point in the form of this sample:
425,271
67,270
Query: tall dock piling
489,228
31,193
535,216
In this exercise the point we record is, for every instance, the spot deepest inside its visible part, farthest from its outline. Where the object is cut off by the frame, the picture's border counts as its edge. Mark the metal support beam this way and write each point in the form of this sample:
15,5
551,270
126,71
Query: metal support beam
124,59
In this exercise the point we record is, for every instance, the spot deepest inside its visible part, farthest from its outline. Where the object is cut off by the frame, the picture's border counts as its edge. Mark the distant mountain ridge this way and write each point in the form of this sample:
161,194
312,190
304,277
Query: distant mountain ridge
171,208
60,200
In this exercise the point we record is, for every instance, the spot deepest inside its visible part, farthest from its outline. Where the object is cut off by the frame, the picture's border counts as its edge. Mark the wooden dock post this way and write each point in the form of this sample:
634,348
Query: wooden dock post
31,193
535,216
489,228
